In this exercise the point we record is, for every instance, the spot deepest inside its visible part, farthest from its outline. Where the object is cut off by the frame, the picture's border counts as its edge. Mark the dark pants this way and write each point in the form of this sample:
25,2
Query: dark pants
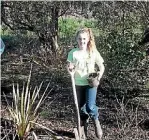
87,102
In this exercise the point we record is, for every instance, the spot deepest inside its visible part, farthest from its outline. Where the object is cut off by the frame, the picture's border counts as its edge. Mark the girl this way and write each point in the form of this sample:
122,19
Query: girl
83,60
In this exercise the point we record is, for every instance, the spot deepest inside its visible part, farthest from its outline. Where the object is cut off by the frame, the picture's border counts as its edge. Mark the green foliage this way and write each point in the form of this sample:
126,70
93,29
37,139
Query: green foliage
123,60
44,114
69,26
122,51
7,37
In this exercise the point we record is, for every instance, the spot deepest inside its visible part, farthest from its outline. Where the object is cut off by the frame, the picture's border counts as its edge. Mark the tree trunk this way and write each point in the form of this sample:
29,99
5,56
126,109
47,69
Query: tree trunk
54,29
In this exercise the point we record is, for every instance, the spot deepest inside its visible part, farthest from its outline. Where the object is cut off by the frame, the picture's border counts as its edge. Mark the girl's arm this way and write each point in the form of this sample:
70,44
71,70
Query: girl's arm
102,69
99,61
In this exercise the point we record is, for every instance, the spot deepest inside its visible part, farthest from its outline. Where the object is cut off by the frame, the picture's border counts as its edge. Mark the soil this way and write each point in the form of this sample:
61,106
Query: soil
128,121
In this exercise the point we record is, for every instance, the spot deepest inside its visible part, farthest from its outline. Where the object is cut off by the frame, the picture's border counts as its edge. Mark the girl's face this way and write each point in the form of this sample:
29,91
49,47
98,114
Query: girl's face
83,39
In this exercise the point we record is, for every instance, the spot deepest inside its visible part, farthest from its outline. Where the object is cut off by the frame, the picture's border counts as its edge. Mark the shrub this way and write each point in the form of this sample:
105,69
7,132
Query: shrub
24,109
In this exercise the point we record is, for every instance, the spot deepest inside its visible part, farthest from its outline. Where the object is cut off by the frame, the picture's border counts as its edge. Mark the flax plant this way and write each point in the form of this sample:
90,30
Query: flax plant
24,109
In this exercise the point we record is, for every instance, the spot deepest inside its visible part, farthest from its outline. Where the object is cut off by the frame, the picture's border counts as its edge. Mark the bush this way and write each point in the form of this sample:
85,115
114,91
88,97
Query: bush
125,71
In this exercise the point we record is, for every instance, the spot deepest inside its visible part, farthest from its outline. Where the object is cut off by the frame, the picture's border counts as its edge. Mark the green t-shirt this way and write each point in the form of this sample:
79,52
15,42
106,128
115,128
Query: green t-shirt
84,64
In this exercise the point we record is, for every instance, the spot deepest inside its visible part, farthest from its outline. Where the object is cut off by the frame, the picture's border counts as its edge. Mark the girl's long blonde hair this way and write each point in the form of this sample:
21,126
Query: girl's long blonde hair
91,46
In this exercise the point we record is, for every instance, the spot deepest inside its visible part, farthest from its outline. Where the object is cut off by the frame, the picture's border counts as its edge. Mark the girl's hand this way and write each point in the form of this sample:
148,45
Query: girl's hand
70,67
98,77
93,82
